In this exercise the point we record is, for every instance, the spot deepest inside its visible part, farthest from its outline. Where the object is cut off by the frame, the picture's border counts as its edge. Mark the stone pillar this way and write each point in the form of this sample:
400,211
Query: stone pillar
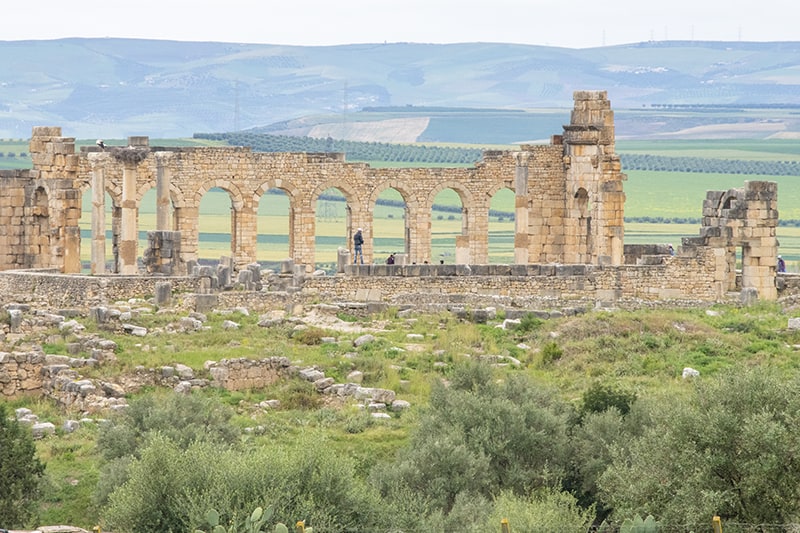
163,293
479,241
72,250
462,250
186,223
163,181
129,231
303,227
342,259
98,266
418,234
759,255
521,252
592,164
462,241
246,231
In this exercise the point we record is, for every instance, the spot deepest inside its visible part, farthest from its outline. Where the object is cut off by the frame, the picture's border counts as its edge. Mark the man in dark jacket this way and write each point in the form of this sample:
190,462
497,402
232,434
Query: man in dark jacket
358,243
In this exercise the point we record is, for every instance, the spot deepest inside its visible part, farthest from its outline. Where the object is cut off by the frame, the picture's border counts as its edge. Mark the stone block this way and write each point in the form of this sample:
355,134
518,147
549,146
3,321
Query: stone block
519,270
205,303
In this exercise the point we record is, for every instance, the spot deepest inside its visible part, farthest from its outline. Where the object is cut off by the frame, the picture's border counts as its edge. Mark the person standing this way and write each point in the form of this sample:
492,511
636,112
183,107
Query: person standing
781,264
358,247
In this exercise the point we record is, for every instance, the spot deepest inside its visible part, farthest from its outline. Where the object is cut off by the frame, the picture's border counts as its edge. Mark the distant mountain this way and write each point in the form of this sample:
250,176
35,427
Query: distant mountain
113,88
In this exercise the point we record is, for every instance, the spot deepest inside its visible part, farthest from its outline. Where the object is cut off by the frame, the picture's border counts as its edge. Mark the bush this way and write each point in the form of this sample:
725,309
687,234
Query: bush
20,472
482,437
309,336
728,449
178,417
545,511
181,419
600,397
172,489
551,353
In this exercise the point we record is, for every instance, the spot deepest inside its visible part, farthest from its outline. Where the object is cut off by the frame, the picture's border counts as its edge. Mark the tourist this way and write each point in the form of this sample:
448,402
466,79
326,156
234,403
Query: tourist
390,259
358,243
781,264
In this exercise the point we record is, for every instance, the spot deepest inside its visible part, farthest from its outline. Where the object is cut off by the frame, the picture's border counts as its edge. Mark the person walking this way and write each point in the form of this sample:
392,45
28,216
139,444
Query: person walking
358,247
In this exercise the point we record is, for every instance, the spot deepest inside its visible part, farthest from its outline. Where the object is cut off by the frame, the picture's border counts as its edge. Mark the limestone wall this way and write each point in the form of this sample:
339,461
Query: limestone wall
243,374
53,290
20,373
688,278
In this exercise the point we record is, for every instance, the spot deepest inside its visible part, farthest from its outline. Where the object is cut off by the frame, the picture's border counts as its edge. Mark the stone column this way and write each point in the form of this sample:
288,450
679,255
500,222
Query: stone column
303,243
163,181
72,250
418,233
462,241
98,266
246,222
521,252
129,231
185,219
479,243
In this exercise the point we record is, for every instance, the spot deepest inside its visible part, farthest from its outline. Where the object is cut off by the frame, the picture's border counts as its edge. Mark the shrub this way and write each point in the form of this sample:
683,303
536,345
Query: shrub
309,336
600,397
20,471
172,489
551,353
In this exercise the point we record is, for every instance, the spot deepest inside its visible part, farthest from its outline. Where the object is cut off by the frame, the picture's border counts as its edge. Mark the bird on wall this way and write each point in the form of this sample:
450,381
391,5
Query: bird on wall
101,144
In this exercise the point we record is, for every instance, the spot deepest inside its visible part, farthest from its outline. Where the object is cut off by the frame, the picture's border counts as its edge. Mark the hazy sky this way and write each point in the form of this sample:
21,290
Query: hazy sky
570,23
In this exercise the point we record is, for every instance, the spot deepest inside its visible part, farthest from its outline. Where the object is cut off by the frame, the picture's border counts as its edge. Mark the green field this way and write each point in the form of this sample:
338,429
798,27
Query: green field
748,149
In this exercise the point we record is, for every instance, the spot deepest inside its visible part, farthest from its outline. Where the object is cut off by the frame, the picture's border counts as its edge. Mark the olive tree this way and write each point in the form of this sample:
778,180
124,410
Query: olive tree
729,448
20,472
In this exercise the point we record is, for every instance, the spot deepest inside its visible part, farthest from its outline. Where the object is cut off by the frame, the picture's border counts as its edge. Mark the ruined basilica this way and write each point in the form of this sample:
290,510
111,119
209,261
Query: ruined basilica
568,243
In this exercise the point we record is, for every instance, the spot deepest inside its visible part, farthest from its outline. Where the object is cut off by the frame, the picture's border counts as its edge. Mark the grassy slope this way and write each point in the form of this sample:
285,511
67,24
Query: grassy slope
643,352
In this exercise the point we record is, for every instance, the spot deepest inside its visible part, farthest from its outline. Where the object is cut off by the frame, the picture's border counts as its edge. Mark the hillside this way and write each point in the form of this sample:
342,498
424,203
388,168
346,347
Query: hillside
120,87
480,386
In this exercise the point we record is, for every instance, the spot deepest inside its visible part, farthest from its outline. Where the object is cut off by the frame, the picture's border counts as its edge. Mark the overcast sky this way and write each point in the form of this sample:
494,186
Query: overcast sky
569,23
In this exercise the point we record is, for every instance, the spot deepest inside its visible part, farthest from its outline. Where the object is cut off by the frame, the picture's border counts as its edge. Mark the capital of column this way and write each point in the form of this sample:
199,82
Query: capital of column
522,158
163,158
97,159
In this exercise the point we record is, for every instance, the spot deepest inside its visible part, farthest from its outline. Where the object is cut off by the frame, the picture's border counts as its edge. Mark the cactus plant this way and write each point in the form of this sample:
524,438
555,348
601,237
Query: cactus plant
252,524
637,525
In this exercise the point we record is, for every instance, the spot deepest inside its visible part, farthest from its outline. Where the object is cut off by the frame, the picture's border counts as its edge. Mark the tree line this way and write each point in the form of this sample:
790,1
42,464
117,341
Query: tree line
355,150
709,165
411,153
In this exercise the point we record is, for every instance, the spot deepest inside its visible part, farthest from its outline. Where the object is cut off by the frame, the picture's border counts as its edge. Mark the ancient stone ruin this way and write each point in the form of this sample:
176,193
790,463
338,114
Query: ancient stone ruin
568,243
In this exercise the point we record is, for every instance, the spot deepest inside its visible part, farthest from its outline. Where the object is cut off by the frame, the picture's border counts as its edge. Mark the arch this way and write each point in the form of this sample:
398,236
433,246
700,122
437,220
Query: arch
727,201
262,220
383,233
331,233
450,232
237,198
581,198
399,186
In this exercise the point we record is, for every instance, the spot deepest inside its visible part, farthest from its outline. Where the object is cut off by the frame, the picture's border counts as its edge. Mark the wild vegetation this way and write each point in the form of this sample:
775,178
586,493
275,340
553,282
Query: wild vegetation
592,423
